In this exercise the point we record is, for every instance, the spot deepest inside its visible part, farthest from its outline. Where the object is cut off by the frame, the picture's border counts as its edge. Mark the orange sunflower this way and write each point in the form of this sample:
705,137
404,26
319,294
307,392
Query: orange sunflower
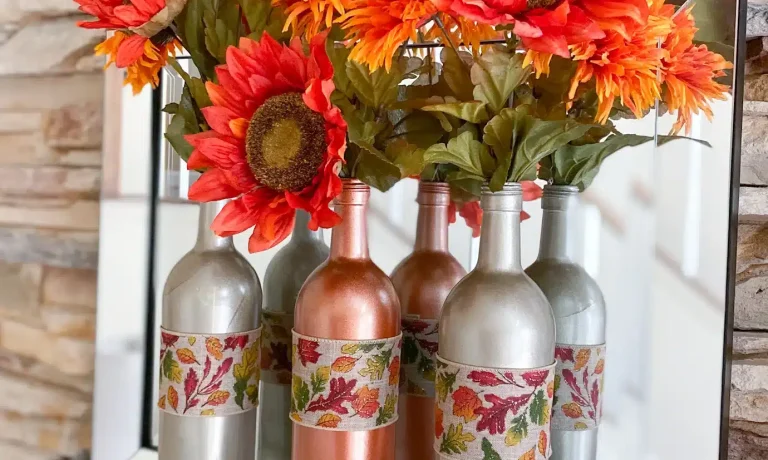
378,27
277,142
142,41
689,73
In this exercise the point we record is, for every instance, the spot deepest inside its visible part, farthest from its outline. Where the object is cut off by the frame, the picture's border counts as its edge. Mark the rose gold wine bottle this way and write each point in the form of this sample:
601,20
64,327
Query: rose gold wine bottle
423,280
347,298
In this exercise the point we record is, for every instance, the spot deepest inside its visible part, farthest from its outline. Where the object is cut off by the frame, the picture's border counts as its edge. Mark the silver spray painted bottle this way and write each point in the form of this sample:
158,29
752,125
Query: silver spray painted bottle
576,300
496,316
284,278
212,289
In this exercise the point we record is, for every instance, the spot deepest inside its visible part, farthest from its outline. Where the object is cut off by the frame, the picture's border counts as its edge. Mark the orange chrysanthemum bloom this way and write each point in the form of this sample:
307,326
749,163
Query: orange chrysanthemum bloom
308,18
689,73
379,27
142,42
461,31
277,142
624,67
142,61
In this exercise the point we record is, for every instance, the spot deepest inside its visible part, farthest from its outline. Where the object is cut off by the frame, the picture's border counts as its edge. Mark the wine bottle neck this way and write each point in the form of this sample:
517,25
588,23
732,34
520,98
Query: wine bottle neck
500,234
432,224
558,205
206,239
349,239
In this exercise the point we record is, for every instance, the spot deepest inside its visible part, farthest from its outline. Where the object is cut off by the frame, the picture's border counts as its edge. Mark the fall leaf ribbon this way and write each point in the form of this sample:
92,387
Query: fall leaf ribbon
276,347
578,403
345,385
209,374
492,413
419,348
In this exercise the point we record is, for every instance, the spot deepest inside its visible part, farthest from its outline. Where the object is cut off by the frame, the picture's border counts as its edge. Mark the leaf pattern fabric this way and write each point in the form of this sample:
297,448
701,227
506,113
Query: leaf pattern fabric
209,374
345,385
578,387
418,360
276,347
492,414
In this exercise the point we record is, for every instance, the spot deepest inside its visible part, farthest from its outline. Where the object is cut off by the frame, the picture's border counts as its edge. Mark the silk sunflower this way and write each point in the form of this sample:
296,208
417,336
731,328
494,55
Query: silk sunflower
276,142
142,41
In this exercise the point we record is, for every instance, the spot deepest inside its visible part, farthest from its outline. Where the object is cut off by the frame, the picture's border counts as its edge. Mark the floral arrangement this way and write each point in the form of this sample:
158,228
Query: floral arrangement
295,94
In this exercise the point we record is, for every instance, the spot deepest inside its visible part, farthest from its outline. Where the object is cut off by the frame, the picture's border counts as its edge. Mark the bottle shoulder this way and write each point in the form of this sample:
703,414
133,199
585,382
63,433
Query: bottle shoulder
568,287
423,280
288,271
345,292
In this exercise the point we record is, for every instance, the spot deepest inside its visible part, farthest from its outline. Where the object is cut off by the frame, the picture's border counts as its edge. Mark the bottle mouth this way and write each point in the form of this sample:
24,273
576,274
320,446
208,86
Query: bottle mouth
434,194
353,192
508,199
560,190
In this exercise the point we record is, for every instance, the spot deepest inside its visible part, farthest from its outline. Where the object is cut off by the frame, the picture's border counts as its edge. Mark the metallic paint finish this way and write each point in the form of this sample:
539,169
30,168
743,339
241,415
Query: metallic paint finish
211,289
576,300
348,297
423,280
285,275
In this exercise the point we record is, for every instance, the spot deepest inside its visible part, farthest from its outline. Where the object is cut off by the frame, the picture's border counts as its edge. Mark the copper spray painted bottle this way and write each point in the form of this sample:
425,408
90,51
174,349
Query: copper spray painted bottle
347,298
423,280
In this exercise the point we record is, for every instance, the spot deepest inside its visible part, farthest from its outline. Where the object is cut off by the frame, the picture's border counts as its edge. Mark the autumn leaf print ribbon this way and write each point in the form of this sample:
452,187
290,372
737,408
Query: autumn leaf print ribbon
345,385
276,347
419,348
489,413
209,374
578,403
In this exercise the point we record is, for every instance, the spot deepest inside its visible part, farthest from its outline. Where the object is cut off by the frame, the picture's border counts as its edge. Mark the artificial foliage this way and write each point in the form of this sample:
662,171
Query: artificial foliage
295,94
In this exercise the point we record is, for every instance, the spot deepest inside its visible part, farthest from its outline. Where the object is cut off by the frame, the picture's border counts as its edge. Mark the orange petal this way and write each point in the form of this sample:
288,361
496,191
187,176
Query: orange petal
212,186
131,50
239,127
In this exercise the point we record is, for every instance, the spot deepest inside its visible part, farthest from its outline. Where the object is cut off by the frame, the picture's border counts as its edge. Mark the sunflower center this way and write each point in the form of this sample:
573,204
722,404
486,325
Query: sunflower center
285,143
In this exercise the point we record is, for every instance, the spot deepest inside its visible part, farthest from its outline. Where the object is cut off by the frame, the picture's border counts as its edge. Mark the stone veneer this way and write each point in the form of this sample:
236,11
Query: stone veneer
51,93
749,383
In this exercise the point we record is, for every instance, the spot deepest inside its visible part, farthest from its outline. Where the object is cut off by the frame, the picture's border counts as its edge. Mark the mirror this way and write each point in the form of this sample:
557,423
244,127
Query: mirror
653,230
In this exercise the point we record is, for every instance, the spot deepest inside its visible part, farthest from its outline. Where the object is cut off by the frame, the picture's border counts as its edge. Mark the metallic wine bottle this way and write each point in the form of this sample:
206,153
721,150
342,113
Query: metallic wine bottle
285,275
423,280
347,298
212,289
496,316
576,300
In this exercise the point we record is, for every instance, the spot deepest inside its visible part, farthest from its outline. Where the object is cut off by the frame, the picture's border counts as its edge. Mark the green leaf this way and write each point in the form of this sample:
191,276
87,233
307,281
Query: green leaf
456,74
661,140
518,430
444,384
408,157
473,112
387,411
191,31
543,138
410,350
339,55
175,133
495,75
185,121
420,129
240,387
171,368
540,409
253,394
578,165
171,108
455,440
262,17
222,28
488,451
318,382
375,365
504,134
373,168
196,86
377,89
300,393
463,151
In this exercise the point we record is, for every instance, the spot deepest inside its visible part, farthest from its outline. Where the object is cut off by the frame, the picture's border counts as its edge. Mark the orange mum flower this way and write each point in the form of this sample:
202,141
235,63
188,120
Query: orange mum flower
462,31
379,27
689,72
276,143
625,68
142,42
309,17
139,56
